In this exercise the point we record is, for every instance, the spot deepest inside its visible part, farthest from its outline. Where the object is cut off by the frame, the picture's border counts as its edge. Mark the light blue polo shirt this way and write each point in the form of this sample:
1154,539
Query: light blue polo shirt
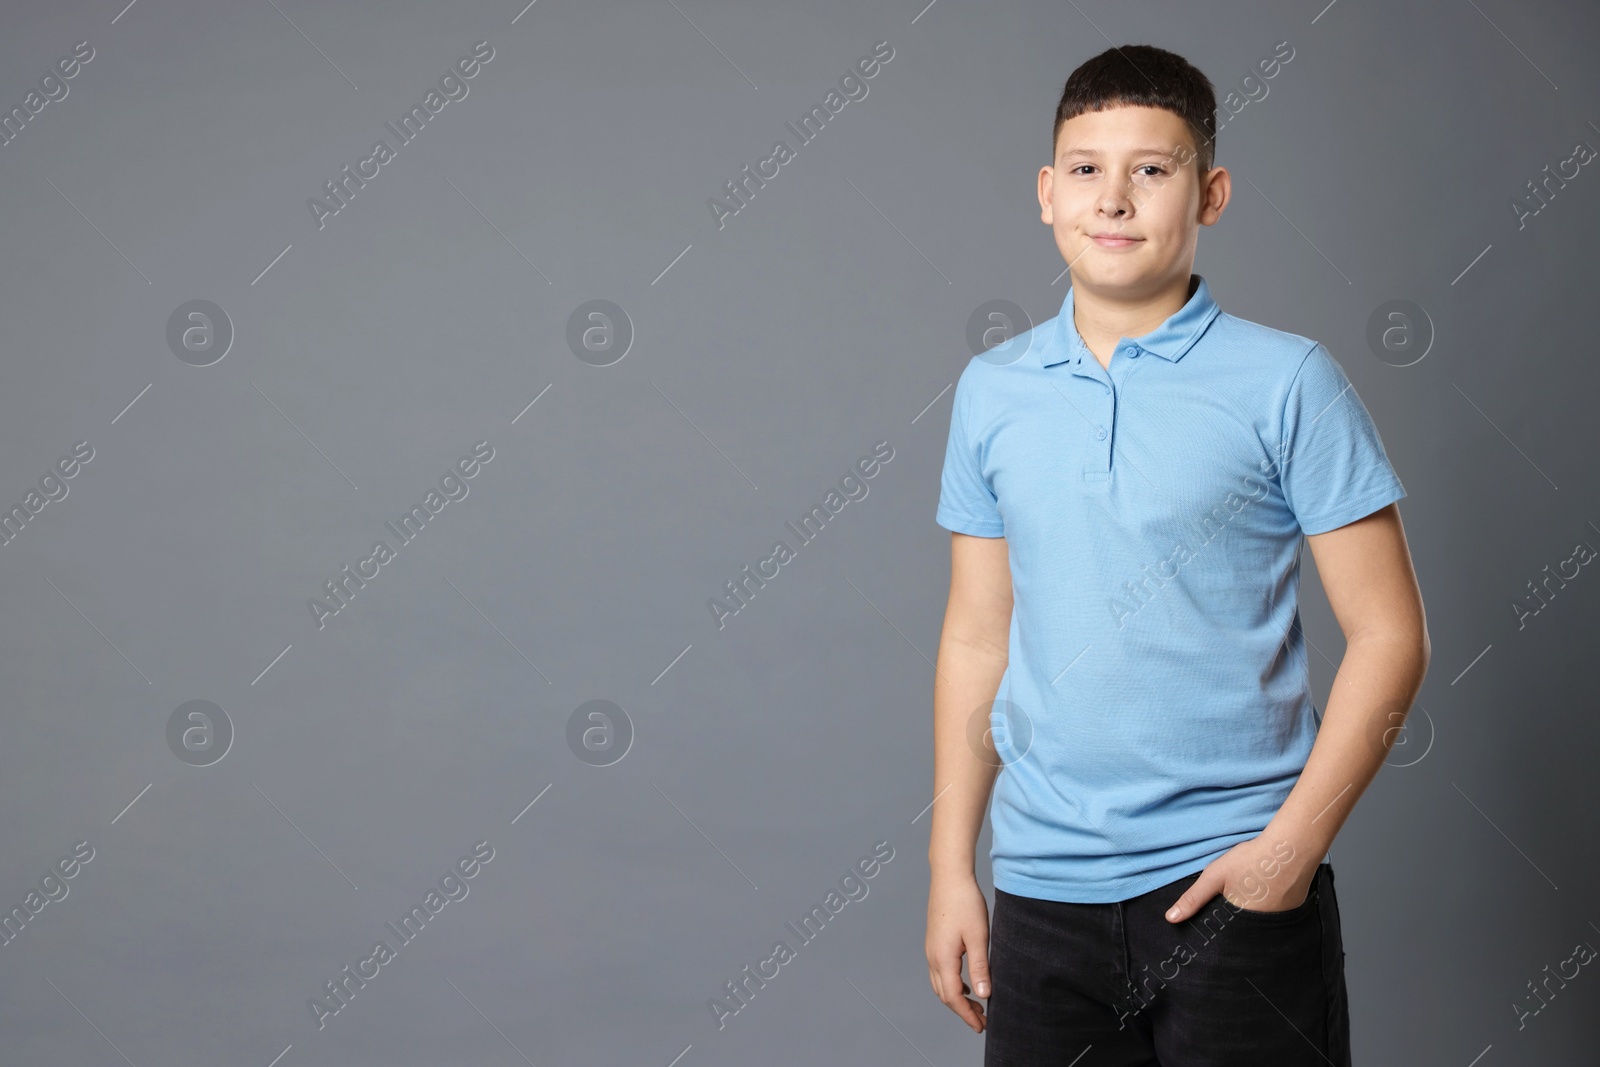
1156,709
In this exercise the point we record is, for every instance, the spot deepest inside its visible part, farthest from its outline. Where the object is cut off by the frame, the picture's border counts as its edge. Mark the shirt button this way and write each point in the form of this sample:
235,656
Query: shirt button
1100,433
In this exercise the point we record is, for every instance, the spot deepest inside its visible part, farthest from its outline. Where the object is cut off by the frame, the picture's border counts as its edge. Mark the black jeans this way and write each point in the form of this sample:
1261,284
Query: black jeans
1117,985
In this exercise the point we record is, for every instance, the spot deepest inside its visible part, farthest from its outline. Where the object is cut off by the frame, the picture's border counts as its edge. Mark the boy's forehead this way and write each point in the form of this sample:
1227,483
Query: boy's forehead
1136,130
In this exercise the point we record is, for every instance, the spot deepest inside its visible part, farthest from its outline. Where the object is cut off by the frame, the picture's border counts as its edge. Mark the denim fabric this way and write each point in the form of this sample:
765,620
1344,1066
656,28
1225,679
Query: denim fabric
1117,985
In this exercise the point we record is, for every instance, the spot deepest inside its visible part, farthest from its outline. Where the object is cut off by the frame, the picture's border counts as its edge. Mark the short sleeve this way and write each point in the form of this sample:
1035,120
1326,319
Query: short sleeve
966,502
1332,465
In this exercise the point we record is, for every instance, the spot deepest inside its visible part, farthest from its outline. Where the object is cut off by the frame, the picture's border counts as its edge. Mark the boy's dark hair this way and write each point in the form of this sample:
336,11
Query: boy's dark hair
1142,75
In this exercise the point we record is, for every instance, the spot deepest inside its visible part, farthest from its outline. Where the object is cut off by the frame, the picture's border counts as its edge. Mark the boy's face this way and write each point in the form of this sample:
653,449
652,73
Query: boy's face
1126,200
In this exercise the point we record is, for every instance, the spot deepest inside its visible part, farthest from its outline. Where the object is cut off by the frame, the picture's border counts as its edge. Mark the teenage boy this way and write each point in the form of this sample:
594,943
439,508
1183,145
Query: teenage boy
1127,485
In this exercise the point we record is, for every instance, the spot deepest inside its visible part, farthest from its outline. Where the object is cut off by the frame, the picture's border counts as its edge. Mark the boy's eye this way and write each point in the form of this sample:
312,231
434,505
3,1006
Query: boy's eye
1080,168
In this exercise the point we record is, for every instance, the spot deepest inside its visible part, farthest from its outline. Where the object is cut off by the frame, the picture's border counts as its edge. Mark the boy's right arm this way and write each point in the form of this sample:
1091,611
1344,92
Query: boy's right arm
973,653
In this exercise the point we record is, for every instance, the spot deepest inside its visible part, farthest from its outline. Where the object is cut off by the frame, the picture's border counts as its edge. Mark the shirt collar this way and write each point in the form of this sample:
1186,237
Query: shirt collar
1170,340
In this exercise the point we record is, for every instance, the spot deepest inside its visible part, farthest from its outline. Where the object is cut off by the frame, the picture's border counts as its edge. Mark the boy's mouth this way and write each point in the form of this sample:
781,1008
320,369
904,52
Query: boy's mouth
1114,240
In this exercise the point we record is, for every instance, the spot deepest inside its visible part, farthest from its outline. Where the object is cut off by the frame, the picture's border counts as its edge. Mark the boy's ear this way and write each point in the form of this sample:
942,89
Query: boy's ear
1046,206
1216,189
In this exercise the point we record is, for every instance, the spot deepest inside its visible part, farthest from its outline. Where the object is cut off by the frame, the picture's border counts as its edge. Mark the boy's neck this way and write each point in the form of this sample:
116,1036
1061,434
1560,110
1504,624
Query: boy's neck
1102,319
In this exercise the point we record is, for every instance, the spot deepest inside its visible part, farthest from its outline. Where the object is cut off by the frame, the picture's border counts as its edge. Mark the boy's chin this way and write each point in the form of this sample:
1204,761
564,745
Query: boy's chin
1119,275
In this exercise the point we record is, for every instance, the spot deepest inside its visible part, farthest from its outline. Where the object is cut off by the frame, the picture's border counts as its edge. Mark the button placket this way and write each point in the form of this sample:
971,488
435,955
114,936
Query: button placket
1105,431
1097,416
1099,431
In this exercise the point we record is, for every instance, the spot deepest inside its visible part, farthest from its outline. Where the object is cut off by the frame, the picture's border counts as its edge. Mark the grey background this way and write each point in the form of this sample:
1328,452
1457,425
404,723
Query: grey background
829,314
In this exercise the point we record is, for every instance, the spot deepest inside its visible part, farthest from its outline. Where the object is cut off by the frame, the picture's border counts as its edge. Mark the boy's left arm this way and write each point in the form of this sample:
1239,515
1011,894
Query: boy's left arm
1366,571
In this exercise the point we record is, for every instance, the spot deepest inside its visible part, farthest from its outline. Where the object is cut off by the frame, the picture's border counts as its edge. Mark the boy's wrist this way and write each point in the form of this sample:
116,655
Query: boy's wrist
951,867
1307,842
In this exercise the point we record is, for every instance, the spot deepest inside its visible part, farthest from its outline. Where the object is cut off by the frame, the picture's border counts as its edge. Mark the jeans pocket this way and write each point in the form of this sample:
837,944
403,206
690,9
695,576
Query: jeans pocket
1299,911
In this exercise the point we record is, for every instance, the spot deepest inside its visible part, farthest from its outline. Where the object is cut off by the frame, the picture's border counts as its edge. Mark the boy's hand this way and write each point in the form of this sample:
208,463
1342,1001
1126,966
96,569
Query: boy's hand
1262,874
958,922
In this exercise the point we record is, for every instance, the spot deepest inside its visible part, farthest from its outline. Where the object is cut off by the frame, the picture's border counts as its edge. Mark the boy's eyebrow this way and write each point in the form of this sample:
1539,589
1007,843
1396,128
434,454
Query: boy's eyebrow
1075,152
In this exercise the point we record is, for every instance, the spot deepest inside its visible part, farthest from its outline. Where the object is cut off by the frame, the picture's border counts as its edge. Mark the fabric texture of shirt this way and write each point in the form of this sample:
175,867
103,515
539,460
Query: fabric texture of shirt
1156,708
